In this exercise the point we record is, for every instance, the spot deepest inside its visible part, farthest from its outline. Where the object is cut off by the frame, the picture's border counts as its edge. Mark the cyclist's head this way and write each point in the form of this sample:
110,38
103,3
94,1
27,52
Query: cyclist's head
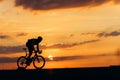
39,38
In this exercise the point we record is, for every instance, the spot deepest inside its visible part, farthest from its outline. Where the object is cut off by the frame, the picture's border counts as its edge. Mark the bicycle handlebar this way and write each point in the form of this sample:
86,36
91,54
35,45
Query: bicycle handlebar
25,49
38,51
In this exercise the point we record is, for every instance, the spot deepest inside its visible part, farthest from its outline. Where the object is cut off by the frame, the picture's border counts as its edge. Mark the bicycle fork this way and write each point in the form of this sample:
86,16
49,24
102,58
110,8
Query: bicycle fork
37,59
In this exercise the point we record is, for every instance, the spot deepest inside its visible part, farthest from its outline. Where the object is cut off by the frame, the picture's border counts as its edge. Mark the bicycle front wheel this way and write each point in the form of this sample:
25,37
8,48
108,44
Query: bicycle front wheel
21,62
39,62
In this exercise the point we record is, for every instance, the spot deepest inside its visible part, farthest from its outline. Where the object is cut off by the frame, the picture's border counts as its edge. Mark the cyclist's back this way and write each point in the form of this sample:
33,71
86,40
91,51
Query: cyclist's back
32,42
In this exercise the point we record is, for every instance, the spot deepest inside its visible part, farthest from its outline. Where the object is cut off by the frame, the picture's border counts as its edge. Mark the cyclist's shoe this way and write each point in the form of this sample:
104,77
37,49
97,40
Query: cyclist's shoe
28,63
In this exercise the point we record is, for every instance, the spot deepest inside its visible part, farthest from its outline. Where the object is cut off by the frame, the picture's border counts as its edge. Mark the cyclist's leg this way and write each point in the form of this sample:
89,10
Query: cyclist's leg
30,49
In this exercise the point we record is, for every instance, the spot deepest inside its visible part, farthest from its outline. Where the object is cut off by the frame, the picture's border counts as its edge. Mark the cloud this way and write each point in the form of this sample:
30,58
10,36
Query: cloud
11,49
4,36
70,45
90,41
21,34
79,57
17,49
14,59
66,58
89,33
71,35
63,58
8,60
56,4
106,34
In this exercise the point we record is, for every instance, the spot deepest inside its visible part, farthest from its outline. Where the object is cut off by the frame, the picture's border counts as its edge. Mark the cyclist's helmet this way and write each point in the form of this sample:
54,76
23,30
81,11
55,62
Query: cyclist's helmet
39,38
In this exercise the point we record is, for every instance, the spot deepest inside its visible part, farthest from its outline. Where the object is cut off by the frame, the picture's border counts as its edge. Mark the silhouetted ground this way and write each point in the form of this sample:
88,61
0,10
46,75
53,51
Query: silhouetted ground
100,73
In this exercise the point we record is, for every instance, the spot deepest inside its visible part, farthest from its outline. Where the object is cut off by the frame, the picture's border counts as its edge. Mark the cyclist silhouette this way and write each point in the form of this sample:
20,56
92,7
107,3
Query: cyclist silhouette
31,43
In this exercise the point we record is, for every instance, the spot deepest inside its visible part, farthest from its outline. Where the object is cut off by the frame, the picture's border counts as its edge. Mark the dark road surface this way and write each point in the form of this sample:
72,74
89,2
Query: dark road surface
99,73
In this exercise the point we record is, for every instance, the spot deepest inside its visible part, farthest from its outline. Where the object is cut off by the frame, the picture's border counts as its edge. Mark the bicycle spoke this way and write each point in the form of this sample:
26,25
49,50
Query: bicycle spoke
21,62
39,62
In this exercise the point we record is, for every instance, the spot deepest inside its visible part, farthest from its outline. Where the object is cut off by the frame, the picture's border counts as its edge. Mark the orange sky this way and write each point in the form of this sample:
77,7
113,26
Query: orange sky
69,30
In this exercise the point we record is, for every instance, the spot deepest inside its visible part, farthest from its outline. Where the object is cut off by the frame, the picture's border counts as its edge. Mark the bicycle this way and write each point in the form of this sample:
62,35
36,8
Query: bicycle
38,60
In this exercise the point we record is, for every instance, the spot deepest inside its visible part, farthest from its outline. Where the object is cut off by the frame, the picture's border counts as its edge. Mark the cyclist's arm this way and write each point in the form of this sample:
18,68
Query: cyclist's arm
34,48
38,47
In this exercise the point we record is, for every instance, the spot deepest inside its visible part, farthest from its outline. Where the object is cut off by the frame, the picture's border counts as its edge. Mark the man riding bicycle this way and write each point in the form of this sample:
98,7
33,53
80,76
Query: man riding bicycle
31,43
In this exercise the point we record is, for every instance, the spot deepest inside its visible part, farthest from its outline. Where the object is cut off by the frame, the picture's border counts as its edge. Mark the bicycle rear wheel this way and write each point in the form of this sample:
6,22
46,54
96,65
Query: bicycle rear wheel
39,62
21,62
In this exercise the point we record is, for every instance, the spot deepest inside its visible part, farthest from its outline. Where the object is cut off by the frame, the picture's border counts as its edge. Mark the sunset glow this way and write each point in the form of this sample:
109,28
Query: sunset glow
50,57
75,32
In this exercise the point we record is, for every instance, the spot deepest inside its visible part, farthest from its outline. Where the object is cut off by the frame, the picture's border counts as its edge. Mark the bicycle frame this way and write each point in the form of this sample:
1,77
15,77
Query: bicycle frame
38,60
36,55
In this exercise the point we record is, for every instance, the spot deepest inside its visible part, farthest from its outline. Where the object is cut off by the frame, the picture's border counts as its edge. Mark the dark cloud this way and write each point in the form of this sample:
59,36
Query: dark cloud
101,34
79,57
56,4
16,49
64,58
89,33
71,35
90,41
11,49
4,36
105,34
62,45
117,1
114,33
14,59
8,60
70,45
21,34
